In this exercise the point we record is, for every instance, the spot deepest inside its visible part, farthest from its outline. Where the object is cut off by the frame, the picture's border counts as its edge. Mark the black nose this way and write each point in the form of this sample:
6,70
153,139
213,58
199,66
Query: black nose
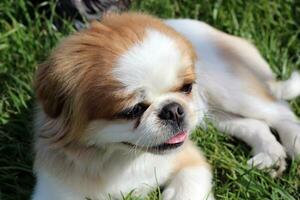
172,112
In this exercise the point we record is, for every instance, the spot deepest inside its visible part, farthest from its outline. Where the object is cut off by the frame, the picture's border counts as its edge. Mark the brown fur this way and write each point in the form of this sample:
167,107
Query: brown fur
189,157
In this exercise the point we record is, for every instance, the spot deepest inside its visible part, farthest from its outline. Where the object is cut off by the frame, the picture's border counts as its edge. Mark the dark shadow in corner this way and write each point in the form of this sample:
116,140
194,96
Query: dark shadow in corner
16,156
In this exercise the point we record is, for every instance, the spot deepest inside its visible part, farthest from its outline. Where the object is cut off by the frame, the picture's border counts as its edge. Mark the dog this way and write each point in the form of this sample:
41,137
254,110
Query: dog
115,105
244,98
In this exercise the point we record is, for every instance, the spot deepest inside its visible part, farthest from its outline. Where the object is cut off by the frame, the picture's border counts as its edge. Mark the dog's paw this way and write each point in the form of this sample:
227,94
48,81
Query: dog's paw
289,132
193,183
293,149
269,156
274,164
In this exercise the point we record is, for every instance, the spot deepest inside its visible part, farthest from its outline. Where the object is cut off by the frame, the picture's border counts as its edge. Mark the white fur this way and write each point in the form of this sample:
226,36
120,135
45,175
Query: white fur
141,175
152,65
121,175
289,132
232,94
192,183
288,89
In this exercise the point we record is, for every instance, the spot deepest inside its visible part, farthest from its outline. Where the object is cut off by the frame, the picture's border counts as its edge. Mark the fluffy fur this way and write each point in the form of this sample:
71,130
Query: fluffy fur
244,97
115,103
101,123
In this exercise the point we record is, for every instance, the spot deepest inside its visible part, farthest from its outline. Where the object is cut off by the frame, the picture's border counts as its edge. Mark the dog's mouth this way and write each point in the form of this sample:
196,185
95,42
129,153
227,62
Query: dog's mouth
172,143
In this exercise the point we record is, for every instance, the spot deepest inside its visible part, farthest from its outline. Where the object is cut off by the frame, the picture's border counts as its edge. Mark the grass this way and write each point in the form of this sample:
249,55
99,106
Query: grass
27,35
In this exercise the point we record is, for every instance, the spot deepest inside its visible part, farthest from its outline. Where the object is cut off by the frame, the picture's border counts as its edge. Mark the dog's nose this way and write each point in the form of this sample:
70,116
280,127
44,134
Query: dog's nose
172,112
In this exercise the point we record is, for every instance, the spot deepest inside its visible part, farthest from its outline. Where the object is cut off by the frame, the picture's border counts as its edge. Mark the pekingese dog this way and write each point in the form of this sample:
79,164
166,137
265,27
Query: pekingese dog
117,101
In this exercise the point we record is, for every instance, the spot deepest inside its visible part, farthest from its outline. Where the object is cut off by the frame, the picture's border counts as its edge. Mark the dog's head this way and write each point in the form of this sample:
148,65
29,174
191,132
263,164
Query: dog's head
129,80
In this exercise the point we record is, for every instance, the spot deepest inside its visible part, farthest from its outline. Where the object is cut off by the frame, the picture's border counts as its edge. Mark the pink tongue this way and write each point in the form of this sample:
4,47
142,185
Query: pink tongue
179,137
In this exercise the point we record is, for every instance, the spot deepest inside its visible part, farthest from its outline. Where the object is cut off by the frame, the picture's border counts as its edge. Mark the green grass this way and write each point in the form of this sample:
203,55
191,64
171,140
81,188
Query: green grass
27,36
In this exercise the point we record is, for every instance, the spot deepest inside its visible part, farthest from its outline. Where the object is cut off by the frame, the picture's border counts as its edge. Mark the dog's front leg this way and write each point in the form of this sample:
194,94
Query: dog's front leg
192,179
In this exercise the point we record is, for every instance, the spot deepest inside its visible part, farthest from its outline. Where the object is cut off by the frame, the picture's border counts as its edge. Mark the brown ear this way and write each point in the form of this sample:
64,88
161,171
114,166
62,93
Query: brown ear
49,91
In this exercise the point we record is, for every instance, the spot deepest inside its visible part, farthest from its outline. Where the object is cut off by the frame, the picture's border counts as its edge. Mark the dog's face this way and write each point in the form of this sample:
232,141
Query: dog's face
129,80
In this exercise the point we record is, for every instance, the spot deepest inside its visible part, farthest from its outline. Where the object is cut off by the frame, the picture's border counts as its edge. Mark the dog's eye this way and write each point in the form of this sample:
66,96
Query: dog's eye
187,88
134,112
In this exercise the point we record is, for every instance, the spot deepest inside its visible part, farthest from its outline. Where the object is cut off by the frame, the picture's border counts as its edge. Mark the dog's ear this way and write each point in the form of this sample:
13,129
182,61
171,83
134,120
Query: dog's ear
49,90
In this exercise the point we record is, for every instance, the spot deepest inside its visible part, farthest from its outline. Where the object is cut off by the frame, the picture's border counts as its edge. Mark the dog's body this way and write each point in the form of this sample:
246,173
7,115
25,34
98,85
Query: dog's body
86,148
243,95
139,174
124,173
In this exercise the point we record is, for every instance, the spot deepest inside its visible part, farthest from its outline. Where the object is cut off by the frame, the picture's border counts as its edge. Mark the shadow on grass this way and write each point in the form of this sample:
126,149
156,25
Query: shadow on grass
16,155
